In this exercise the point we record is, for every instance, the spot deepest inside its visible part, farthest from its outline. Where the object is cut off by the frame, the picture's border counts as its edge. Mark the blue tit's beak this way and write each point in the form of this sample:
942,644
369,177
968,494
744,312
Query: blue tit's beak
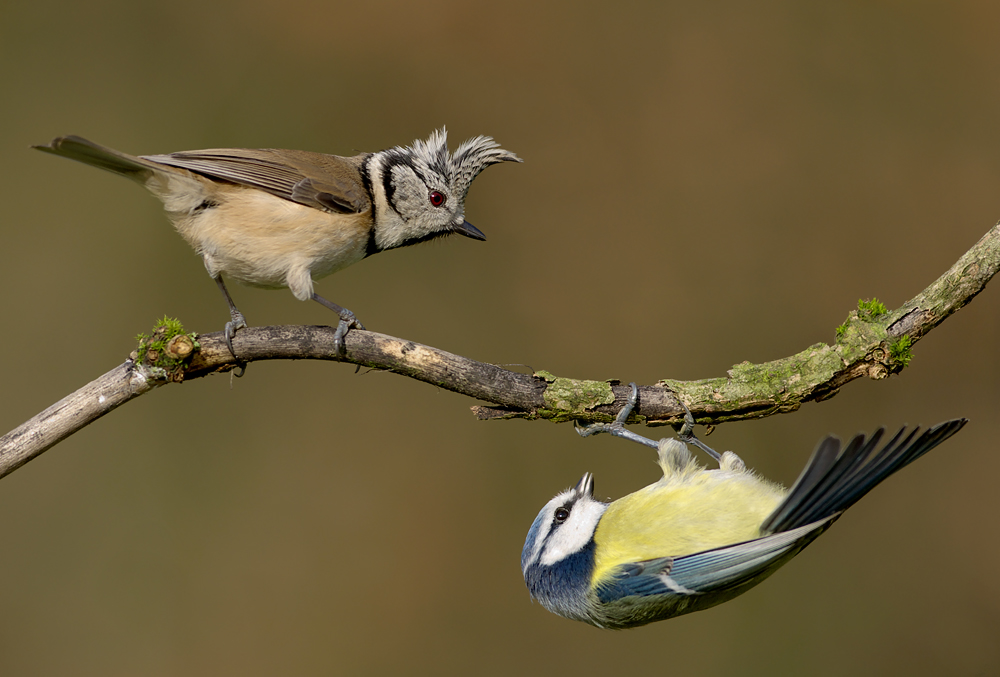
469,230
585,486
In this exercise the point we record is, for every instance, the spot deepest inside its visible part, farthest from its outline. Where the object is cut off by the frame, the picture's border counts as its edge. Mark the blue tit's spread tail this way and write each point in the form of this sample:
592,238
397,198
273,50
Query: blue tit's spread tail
833,481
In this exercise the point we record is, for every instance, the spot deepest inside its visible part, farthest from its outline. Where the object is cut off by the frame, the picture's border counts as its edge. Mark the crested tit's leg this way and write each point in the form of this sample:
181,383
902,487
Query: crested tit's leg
685,434
237,322
347,322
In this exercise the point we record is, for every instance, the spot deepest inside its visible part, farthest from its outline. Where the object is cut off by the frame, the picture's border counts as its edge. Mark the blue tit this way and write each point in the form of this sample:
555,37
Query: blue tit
699,536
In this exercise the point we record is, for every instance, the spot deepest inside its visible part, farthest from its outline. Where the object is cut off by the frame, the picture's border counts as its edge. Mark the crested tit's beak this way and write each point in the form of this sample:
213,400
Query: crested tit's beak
469,230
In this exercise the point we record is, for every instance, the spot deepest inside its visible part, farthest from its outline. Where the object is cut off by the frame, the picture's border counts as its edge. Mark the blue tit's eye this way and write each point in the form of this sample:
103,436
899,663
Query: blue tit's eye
437,199
562,514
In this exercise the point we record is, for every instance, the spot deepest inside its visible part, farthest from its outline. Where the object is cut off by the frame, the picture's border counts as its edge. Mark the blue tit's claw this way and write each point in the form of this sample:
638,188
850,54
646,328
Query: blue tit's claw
633,399
591,428
686,433
617,428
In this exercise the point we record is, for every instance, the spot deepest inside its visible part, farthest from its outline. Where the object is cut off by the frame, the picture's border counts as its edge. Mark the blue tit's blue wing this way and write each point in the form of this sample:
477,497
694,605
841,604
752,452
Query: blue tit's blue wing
716,575
734,565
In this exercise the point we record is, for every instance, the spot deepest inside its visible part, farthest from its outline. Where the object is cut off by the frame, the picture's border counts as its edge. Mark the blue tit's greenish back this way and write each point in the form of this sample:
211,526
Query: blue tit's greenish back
689,510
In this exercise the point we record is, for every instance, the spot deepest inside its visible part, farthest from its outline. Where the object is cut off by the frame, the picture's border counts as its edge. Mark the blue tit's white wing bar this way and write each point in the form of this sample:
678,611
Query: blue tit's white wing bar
710,571
744,562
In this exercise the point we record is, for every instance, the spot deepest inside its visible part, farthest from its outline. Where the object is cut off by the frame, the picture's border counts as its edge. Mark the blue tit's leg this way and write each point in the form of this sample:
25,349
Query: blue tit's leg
685,434
347,322
236,322
618,428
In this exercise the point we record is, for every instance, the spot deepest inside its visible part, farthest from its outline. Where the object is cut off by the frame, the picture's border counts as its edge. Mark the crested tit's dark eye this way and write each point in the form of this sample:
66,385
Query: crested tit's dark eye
437,199
562,514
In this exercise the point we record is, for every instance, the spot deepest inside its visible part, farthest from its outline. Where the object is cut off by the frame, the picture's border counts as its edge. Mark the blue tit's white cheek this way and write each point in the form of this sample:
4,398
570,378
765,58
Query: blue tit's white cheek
575,533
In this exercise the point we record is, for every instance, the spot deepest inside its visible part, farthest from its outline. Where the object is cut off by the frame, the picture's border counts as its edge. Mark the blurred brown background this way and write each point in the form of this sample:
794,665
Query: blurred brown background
701,186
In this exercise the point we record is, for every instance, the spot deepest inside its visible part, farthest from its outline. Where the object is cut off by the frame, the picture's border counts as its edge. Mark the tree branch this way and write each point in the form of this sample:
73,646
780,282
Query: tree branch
872,342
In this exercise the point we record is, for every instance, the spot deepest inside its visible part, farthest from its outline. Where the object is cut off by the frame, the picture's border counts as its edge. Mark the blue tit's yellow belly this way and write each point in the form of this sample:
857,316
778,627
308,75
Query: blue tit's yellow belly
684,514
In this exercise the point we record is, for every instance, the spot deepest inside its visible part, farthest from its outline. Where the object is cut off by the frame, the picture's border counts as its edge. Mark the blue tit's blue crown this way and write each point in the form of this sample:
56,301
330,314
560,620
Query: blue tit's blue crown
528,552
